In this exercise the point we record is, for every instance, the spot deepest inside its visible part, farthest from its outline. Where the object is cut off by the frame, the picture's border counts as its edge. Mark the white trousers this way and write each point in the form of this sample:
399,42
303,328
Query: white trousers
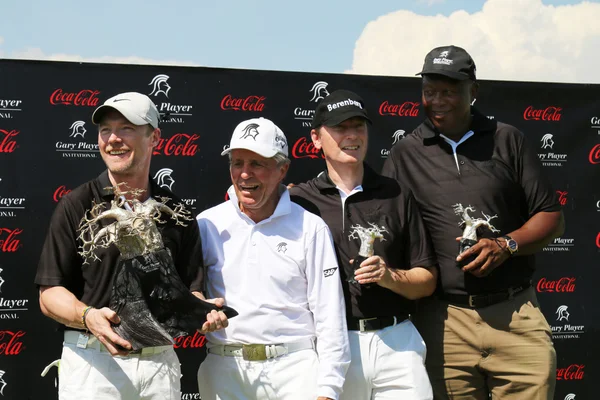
90,374
387,364
289,377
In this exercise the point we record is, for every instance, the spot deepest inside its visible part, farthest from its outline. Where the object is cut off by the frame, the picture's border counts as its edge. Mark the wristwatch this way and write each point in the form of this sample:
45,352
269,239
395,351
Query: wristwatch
511,245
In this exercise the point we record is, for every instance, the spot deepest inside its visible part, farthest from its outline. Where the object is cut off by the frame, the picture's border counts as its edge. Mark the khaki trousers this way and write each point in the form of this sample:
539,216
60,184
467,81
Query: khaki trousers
505,349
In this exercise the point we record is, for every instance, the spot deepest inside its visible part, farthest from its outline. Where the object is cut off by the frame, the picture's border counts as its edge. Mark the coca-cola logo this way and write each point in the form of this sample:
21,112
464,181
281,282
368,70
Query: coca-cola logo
406,109
180,144
10,343
550,113
194,342
85,97
595,154
562,285
305,149
9,243
570,373
562,197
249,103
60,192
7,142
598,240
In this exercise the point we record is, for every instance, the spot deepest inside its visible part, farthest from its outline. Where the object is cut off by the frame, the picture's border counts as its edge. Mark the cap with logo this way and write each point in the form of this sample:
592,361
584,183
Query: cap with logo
136,107
337,107
451,61
259,135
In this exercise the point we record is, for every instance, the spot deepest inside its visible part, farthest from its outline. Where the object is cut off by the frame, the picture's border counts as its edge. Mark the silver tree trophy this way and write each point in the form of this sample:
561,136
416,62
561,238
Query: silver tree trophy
367,238
471,226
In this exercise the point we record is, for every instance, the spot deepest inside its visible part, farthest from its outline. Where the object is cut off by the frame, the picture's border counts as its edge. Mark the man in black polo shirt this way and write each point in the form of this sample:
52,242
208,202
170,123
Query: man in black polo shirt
484,330
387,351
95,360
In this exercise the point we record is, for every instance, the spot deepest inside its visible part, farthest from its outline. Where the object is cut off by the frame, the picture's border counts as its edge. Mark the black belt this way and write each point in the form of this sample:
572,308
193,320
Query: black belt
483,300
374,324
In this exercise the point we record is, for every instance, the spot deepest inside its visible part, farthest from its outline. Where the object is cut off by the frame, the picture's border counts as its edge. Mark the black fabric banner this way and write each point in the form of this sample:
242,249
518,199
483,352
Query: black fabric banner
48,146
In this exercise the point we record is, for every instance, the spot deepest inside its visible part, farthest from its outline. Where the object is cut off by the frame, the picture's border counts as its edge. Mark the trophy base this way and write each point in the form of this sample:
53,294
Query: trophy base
356,265
465,244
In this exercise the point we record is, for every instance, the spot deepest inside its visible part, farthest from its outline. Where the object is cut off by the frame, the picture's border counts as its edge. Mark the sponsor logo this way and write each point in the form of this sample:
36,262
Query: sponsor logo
11,343
550,158
572,372
396,137
248,103
594,156
83,98
180,144
406,109
442,59
8,143
2,382
562,197
10,308
598,240
250,131
550,113
595,124
164,179
329,272
282,247
8,108
9,206
318,92
566,330
560,244
195,341
9,242
77,148
562,285
570,396
303,148
60,192
171,113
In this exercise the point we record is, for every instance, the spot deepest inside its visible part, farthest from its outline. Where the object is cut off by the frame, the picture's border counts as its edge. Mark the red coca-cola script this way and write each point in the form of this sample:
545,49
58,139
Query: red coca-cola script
180,144
406,109
249,103
562,285
11,343
573,372
305,149
9,242
7,142
85,97
550,113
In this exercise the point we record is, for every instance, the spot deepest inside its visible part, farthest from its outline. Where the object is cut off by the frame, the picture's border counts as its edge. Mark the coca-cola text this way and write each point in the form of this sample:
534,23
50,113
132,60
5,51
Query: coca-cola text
8,145
570,373
550,113
595,154
249,103
60,192
305,149
406,109
562,197
180,144
85,97
10,345
8,240
598,240
195,342
562,285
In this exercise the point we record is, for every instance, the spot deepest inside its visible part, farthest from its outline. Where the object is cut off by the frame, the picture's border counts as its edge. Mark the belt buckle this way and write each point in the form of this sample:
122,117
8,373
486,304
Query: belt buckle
361,323
254,352
471,302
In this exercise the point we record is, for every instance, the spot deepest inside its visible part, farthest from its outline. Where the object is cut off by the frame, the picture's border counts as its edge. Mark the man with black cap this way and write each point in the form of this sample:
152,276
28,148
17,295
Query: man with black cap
384,252
95,361
484,330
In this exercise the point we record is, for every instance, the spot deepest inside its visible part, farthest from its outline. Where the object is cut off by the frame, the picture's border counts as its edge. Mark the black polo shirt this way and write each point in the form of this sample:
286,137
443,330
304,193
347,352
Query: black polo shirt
500,174
61,265
382,202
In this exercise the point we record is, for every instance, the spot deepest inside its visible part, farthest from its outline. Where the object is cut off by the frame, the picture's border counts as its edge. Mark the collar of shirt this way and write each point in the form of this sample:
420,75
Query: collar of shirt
283,205
371,180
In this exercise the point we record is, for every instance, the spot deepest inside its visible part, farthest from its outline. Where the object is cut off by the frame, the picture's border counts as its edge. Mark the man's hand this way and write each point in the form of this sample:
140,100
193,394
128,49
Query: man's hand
215,320
489,255
98,322
373,270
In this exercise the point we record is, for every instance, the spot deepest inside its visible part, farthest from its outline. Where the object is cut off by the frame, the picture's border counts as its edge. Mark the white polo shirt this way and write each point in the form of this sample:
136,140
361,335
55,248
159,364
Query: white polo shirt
282,276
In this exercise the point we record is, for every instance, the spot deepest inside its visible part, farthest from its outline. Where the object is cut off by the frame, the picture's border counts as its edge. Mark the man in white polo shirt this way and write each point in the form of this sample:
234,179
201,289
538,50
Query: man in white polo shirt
276,264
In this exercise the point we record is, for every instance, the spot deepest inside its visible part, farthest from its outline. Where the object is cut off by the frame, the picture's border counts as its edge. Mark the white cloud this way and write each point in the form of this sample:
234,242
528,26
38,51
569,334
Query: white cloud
521,40
38,54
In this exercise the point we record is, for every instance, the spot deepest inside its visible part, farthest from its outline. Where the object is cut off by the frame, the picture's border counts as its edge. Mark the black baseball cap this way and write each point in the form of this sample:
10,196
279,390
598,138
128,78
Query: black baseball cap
451,61
338,107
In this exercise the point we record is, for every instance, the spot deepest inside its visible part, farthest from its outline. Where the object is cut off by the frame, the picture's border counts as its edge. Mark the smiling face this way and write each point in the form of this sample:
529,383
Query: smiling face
447,104
256,180
345,143
126,148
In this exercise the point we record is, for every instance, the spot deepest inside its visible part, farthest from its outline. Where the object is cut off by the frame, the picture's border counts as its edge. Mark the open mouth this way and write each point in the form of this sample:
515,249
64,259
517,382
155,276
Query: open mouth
248,188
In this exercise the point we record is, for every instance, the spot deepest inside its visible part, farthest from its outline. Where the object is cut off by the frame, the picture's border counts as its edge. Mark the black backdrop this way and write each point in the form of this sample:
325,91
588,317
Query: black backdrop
48,147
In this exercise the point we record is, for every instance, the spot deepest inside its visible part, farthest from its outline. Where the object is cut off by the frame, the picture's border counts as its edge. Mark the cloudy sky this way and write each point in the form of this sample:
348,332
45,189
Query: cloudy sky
526,40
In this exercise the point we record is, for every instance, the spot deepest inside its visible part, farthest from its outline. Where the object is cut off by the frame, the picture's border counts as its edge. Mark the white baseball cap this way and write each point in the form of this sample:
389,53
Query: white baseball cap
136,107
259,135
